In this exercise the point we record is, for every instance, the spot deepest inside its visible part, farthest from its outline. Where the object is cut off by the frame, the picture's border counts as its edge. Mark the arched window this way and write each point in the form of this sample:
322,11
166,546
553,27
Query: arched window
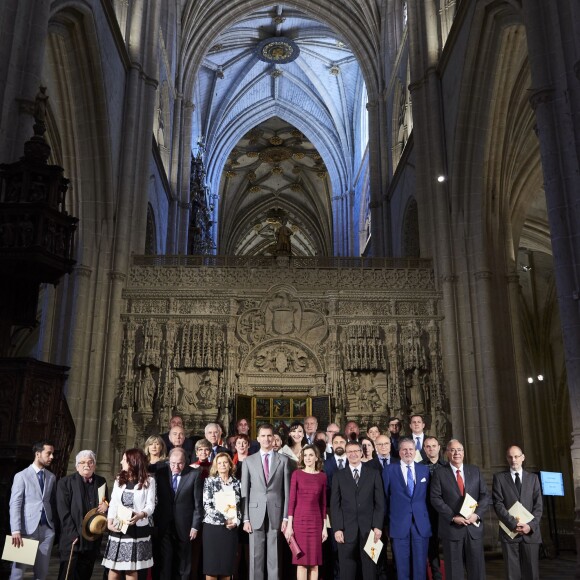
364,120
150,233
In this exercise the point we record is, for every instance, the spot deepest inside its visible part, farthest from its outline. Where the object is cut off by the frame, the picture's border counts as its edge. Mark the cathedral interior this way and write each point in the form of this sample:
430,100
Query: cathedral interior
355,209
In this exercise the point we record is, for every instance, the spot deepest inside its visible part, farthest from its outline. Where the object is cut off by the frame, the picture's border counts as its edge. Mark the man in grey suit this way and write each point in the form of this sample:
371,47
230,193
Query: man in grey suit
462,537
521,553
265,493
31,509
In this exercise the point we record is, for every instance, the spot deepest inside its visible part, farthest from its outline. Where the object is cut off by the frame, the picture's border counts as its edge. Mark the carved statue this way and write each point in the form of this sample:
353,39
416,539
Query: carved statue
283,242
206,392
185,398
146,392
40,105
415,394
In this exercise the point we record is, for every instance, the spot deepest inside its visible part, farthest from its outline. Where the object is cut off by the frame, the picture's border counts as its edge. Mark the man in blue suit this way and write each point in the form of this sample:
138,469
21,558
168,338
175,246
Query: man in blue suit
32,502
406,484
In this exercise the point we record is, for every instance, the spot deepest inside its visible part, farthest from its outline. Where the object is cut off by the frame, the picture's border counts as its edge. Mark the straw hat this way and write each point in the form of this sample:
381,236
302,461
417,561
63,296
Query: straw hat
94,525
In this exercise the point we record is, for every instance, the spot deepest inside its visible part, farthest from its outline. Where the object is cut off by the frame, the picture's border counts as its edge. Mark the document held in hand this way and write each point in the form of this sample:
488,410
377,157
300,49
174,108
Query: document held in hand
24,555
373,549
522,515
468,508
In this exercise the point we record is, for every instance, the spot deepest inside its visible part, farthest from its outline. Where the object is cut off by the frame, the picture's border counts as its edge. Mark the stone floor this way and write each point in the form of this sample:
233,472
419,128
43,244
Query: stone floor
561,568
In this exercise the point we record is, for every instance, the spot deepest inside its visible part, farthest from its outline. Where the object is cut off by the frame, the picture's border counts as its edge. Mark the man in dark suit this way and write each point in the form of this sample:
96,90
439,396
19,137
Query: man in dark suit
432,449
178,515
462,537
356,509
265,494
417,426
33,509
406,484
520,554
333,462
76,495
177,438
395,426
212,434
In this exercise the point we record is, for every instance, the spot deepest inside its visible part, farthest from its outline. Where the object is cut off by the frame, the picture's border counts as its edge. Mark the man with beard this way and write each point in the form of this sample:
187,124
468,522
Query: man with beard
333,462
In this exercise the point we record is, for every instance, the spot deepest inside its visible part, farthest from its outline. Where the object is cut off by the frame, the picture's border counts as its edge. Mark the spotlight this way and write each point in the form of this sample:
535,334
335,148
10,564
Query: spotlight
526,268
540,377
530,380
441,178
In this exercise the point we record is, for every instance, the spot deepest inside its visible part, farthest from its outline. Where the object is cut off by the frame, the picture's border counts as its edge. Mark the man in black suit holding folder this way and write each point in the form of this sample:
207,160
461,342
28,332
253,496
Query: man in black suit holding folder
520,554
356,508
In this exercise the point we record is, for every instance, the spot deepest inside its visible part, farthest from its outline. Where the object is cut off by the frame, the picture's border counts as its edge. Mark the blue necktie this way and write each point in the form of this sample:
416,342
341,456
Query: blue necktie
418,443
174,483
40,475
410,482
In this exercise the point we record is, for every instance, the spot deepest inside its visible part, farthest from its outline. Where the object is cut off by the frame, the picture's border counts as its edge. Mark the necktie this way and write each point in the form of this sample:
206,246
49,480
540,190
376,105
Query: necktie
212,454
267,466
410,481
518,484
174,482
40,475
340,463
460,483
418,443
355,475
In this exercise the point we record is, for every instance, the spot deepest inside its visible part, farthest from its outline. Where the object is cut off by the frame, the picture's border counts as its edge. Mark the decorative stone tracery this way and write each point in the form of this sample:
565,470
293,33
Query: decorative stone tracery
207,334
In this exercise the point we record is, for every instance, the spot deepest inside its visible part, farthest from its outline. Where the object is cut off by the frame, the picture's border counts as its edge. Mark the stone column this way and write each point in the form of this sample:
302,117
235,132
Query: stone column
433,197
552,32
378,225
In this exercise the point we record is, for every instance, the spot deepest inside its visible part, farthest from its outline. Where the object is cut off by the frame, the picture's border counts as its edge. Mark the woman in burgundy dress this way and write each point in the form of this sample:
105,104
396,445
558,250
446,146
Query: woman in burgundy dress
307,512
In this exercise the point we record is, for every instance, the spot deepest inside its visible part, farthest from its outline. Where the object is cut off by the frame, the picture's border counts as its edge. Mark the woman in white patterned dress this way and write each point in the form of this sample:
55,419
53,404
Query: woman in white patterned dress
135,489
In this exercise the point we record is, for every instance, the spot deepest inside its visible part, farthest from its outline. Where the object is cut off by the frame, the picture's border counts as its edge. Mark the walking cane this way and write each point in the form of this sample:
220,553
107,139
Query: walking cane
70,558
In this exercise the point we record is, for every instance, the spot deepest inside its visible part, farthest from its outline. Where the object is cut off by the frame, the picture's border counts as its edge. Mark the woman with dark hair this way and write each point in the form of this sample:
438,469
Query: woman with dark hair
156,452
307,512
296,441
373,432
368,448
128,552
221,503
242,447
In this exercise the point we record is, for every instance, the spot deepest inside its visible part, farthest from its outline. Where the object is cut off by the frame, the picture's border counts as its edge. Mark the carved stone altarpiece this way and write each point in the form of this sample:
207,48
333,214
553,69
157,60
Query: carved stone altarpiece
197,336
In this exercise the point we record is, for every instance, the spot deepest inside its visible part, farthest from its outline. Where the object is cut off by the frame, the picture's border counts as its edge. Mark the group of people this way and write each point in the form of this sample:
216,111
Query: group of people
319,500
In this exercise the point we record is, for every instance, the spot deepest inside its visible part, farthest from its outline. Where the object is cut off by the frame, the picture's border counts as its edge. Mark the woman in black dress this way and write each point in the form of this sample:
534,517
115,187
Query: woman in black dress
221,504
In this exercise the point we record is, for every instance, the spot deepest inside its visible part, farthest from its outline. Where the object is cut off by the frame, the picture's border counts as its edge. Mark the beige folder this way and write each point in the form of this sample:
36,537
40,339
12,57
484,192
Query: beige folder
24,555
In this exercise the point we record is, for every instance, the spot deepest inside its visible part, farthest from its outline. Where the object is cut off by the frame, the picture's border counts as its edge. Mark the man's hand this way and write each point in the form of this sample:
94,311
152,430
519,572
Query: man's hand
460,521
248,527
339,537
472,519
378,534
192,534
103,507
523,529
17,541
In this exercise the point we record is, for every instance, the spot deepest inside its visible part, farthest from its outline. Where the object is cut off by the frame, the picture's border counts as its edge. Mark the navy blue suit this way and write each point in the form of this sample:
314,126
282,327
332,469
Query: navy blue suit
409,524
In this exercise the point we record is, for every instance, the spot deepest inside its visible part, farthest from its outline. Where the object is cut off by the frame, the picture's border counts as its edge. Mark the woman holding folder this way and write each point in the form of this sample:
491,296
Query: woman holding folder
307,513
221,503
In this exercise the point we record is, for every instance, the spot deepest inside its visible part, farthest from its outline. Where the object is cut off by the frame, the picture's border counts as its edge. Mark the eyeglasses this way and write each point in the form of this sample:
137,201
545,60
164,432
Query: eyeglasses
176,463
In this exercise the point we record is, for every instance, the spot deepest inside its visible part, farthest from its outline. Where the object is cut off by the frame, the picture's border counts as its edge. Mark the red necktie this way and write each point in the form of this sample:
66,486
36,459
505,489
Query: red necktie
266,467
460,483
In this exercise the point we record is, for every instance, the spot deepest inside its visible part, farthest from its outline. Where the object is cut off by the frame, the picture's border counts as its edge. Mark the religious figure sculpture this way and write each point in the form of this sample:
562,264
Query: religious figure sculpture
283,242
146,392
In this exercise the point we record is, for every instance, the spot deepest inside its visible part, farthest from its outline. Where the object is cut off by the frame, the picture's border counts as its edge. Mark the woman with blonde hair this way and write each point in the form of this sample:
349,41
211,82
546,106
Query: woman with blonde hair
221,503
156,452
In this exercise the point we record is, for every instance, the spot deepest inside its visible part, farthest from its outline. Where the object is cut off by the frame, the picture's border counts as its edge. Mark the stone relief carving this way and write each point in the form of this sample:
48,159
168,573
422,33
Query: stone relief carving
374,349
282,315
282,358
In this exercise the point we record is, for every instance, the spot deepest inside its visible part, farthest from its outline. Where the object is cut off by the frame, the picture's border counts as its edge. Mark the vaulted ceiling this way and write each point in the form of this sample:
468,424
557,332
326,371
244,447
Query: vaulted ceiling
283,73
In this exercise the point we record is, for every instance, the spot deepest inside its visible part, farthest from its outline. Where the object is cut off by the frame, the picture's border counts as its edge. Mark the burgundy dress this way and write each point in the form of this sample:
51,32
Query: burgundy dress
308,507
